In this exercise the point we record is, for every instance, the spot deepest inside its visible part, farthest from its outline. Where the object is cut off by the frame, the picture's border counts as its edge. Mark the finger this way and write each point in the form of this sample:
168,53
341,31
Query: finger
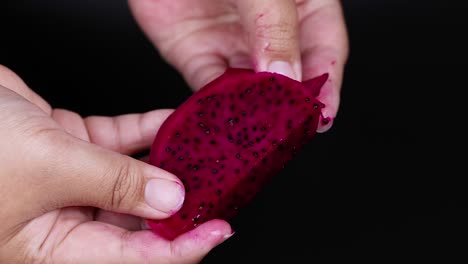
10,80
272,28
104,243
73,172
324,48
127,134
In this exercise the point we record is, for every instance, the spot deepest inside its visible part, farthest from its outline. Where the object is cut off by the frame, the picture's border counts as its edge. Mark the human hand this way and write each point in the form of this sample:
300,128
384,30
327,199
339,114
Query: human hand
301,39
71,194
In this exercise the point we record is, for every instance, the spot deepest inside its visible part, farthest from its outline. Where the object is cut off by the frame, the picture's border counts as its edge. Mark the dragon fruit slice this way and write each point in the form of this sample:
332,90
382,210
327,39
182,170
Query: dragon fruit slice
229,139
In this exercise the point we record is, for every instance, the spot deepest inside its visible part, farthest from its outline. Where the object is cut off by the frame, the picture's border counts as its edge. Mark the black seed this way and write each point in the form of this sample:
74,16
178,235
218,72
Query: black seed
174,152
200,101
200,114
161,164
291,101
238,156
307,99
210,205
246,137
186,141
181,158
208,98
315,106
196,218
263,128
201,160
262,93
201,125
243,113
231,122
196,167
251,143
273,143
230,138
239,141
215,171
183,216
213,142
202,204
279,87
272,79
207,131
241,96
236,119
196,140
258,139
168,149
221,179
177,134
247,91
232,107
216,128
189,166
255,153
254,128
236,171
218,192
214,96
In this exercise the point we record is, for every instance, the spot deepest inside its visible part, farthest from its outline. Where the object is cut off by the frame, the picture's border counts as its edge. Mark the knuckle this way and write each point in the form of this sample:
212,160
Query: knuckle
127,187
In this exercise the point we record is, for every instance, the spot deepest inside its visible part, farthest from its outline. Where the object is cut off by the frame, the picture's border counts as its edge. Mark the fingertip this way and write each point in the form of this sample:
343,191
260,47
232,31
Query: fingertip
208,235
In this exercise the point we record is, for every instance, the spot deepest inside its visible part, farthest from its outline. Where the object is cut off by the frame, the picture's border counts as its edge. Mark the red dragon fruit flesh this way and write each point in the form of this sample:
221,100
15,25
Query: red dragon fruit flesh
229,139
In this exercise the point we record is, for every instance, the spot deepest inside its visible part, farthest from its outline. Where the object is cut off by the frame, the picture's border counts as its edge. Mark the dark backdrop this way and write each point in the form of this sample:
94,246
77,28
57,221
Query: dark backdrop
384,183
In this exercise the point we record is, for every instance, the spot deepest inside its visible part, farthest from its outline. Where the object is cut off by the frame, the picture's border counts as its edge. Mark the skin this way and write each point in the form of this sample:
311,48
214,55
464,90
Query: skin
71,193
202,38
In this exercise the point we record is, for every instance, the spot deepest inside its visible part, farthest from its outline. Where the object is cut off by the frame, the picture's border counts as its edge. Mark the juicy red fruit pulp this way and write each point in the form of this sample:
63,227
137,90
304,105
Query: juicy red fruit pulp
229,139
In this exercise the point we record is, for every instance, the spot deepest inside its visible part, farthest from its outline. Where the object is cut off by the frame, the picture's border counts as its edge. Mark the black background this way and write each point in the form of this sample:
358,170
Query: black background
386,183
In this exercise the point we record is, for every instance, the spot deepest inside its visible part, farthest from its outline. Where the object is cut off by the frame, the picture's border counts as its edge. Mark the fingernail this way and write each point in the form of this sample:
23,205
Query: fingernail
221,237
164,195
283,68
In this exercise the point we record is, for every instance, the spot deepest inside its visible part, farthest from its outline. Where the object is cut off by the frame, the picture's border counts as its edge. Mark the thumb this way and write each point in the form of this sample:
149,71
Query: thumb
272,29
83,174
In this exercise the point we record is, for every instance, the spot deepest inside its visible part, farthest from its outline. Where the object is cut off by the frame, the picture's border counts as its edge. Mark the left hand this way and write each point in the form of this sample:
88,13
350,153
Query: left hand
201,38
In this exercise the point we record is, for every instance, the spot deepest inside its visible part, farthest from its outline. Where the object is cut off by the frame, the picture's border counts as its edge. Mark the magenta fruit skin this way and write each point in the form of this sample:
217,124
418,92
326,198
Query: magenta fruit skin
229,139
